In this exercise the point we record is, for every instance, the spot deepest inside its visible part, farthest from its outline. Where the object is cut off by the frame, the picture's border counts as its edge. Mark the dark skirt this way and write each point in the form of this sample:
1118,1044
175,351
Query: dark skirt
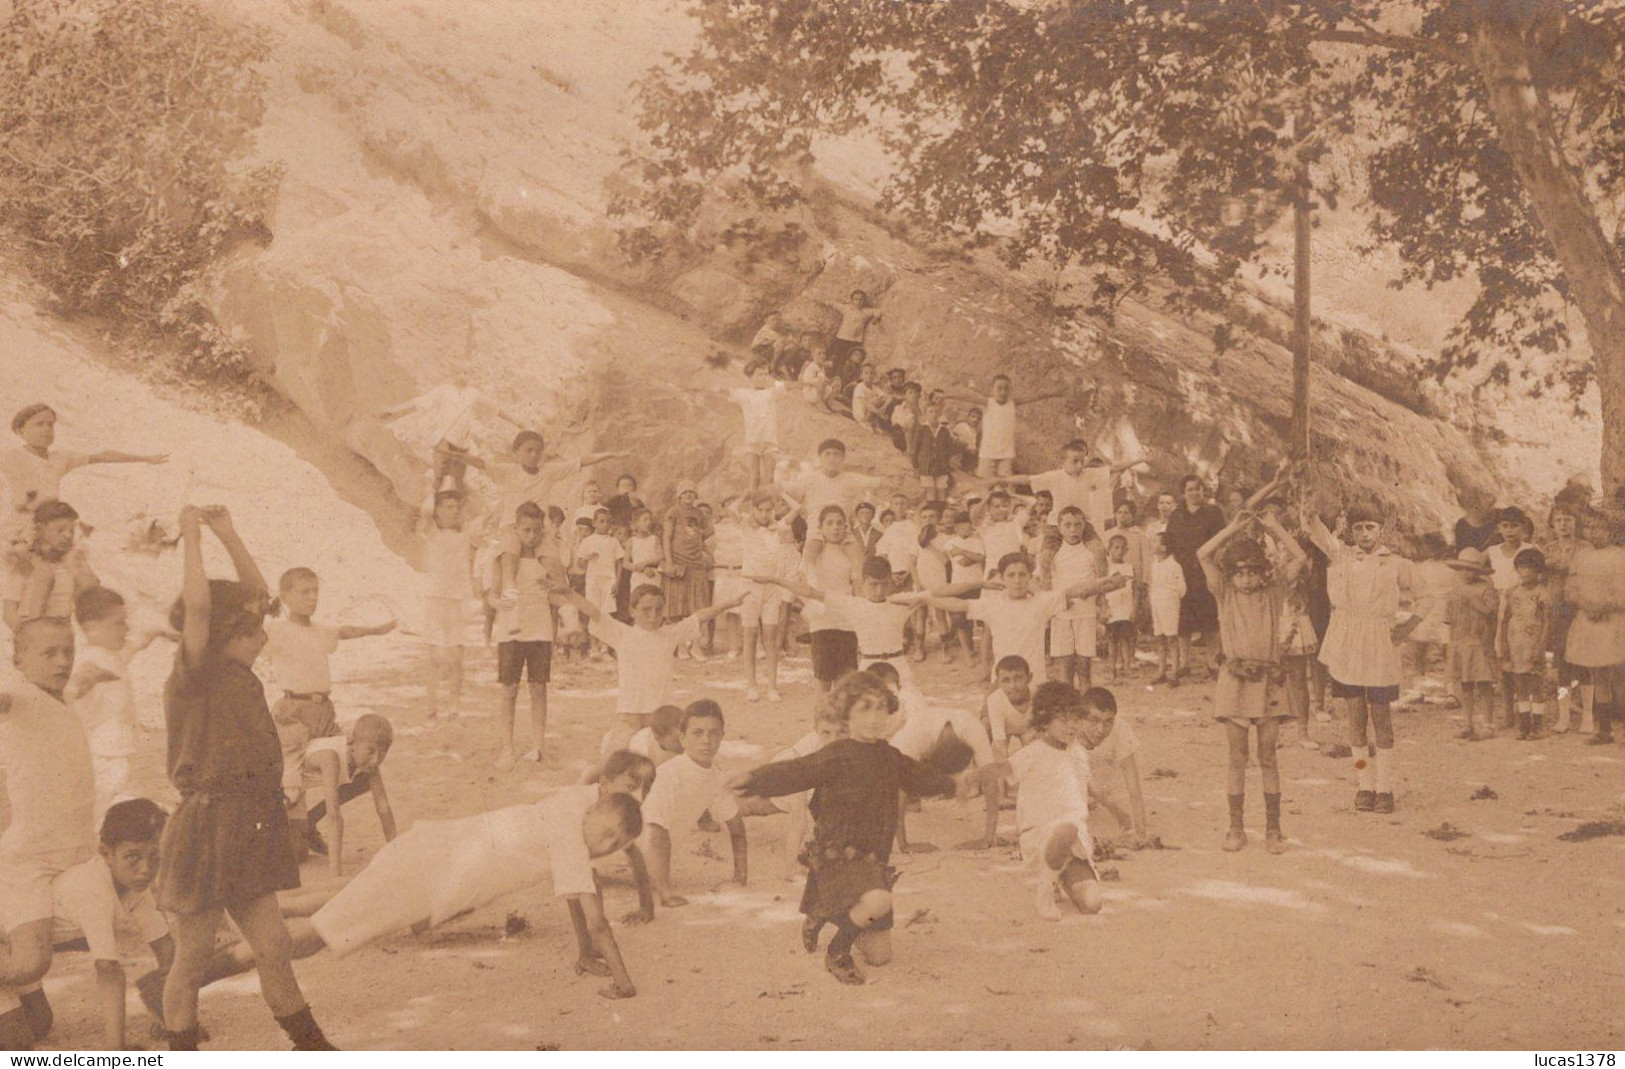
1198,612
835,881
225,850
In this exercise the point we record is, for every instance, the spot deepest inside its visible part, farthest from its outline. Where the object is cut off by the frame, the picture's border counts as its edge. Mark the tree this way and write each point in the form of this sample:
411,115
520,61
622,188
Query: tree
1162,138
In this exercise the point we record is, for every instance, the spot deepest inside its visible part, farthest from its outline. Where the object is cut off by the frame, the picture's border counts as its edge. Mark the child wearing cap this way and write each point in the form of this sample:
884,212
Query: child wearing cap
1251,597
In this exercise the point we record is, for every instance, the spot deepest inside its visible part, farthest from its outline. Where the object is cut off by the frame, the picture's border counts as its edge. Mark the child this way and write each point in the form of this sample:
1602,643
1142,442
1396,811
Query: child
926,727
46,578
1435,579
814,380
442,869
625,504
645,652
934,450
1368,586
905,419
1075,484
603,556
831,484
1112,744
1007,710
1516,529
1119,610
1563,521
1470,617
448,540
661,740
226,847
526,624
878,621
855,783
856,315
100,689
592,499
33,473
768,550
759,404
685,788
644,551
50,796
830,562
297,650
1074,633
341,767
1167,591
524,477
996,452
110,891
1596,643
1521,641
1251,599
1052,807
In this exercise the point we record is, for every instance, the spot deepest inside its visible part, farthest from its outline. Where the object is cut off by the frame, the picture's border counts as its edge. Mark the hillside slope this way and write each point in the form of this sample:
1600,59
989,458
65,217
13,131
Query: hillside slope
442,221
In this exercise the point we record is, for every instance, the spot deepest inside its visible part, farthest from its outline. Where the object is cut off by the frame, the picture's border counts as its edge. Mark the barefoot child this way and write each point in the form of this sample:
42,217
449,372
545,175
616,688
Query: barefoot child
525,620
1167,591
1470,614
1052,807
685,788
1251,598
442,869
100,689
855,783
768,549
50,795
449,542
226,848
759,404
1075,630
1118,609
603,557
297,650
1112,745
341,767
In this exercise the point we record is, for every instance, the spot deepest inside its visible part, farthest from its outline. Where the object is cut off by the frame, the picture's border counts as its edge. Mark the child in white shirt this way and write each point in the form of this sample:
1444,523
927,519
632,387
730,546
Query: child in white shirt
1052,807
340,767
602,554
100,689
43,577
1008,708
449,542
1167,590
685,788
1112,745
768,548
1074,634
1119,610
759,404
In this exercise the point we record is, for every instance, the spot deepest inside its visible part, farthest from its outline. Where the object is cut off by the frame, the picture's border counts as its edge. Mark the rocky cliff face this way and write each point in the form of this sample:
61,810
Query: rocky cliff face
442,220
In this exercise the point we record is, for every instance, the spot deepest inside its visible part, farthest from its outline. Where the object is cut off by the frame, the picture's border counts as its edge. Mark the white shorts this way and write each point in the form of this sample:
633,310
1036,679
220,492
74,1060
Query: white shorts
600,593
389,895
445,622
1033,840
920,733
729,585
25,885
764,605
1073,638
757,449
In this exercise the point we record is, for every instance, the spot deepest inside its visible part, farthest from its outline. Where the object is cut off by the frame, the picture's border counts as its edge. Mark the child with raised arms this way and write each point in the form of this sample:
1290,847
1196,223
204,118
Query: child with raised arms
768,550
758,402
1052,807
449,538
855,783
685,788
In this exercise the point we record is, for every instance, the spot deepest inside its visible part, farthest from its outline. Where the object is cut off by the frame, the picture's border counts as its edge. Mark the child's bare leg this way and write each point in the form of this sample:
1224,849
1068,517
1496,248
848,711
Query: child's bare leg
538,718
750,656
194,947
1297,692
1236,784
510,700
770,648
1066,862
262,926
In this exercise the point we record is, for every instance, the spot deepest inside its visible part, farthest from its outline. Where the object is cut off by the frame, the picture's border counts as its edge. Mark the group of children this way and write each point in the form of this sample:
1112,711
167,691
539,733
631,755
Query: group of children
1033,582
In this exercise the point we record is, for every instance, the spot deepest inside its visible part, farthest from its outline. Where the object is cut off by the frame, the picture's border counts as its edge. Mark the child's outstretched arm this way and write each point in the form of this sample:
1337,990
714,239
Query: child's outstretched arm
347,632
800,590
720,609
1089,588
587,914
112,457
380,804
566,596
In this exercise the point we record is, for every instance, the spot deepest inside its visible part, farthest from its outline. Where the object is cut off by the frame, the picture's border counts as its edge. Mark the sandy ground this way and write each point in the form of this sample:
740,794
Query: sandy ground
1367,934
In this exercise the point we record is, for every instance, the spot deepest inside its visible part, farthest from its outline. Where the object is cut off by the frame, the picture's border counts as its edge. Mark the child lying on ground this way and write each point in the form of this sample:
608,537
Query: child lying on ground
1052,808
442,869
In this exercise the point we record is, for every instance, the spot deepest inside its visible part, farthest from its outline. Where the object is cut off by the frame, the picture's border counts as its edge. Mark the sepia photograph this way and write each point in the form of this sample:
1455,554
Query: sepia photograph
800,525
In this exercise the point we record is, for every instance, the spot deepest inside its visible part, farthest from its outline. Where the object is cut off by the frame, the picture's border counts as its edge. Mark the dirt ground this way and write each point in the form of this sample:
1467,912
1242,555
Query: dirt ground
1366,934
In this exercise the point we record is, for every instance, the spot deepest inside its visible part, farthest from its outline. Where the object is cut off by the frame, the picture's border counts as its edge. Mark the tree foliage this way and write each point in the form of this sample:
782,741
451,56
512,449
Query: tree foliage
123,126
1142,138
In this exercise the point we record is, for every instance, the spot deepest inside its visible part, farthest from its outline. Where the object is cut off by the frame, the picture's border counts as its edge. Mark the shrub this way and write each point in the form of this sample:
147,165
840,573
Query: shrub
123,130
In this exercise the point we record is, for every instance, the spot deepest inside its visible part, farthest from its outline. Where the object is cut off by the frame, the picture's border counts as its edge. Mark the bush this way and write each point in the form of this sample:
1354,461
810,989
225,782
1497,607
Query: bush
123,129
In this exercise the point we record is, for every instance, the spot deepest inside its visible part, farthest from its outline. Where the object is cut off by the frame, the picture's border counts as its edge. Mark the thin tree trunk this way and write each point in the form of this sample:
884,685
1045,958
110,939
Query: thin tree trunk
1501,54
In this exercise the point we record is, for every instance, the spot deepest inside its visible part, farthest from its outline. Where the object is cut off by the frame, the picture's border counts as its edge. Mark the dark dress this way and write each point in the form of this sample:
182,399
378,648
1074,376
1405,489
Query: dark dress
1186,533
1481,538
227,843
855,788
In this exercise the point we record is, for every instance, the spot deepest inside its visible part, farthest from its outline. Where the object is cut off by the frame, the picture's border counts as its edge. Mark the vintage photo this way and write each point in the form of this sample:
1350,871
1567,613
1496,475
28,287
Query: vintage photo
548,525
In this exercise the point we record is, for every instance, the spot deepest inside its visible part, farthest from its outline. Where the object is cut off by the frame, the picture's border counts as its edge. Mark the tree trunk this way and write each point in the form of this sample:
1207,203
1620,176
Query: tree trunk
1501,53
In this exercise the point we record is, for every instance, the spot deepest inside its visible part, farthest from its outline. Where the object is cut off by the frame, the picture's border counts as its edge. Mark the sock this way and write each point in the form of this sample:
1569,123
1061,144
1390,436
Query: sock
1272,812
846,933
1536,723
1238,804
1363,771
185,1039
1385,771
304,1031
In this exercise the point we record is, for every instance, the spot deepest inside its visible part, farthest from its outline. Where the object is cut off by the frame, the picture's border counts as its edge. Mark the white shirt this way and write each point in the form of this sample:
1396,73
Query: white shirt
88,904
1017,627
1117,747
310,776
861,393
1074,564
761,412
645,551
998,431
879,624
49,784
761,551
683,791
32,479
900,545
448,554
999,539
1068,491
610,553
517,486
1503,575
1003,718
817,490
108,708
645,661
1054,785
530,617
1120,602
298,653
478,859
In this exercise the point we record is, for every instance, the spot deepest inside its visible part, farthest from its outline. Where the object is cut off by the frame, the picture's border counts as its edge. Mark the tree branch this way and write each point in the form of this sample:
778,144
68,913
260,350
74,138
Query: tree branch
1394,41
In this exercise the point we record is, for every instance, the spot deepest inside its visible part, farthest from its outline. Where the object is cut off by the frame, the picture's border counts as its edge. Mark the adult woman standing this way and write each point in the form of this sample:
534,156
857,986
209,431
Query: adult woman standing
1193,523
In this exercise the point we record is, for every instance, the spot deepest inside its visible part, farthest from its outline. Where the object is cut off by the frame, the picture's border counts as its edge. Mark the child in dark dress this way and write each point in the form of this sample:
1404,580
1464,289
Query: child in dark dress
855,783
226,849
